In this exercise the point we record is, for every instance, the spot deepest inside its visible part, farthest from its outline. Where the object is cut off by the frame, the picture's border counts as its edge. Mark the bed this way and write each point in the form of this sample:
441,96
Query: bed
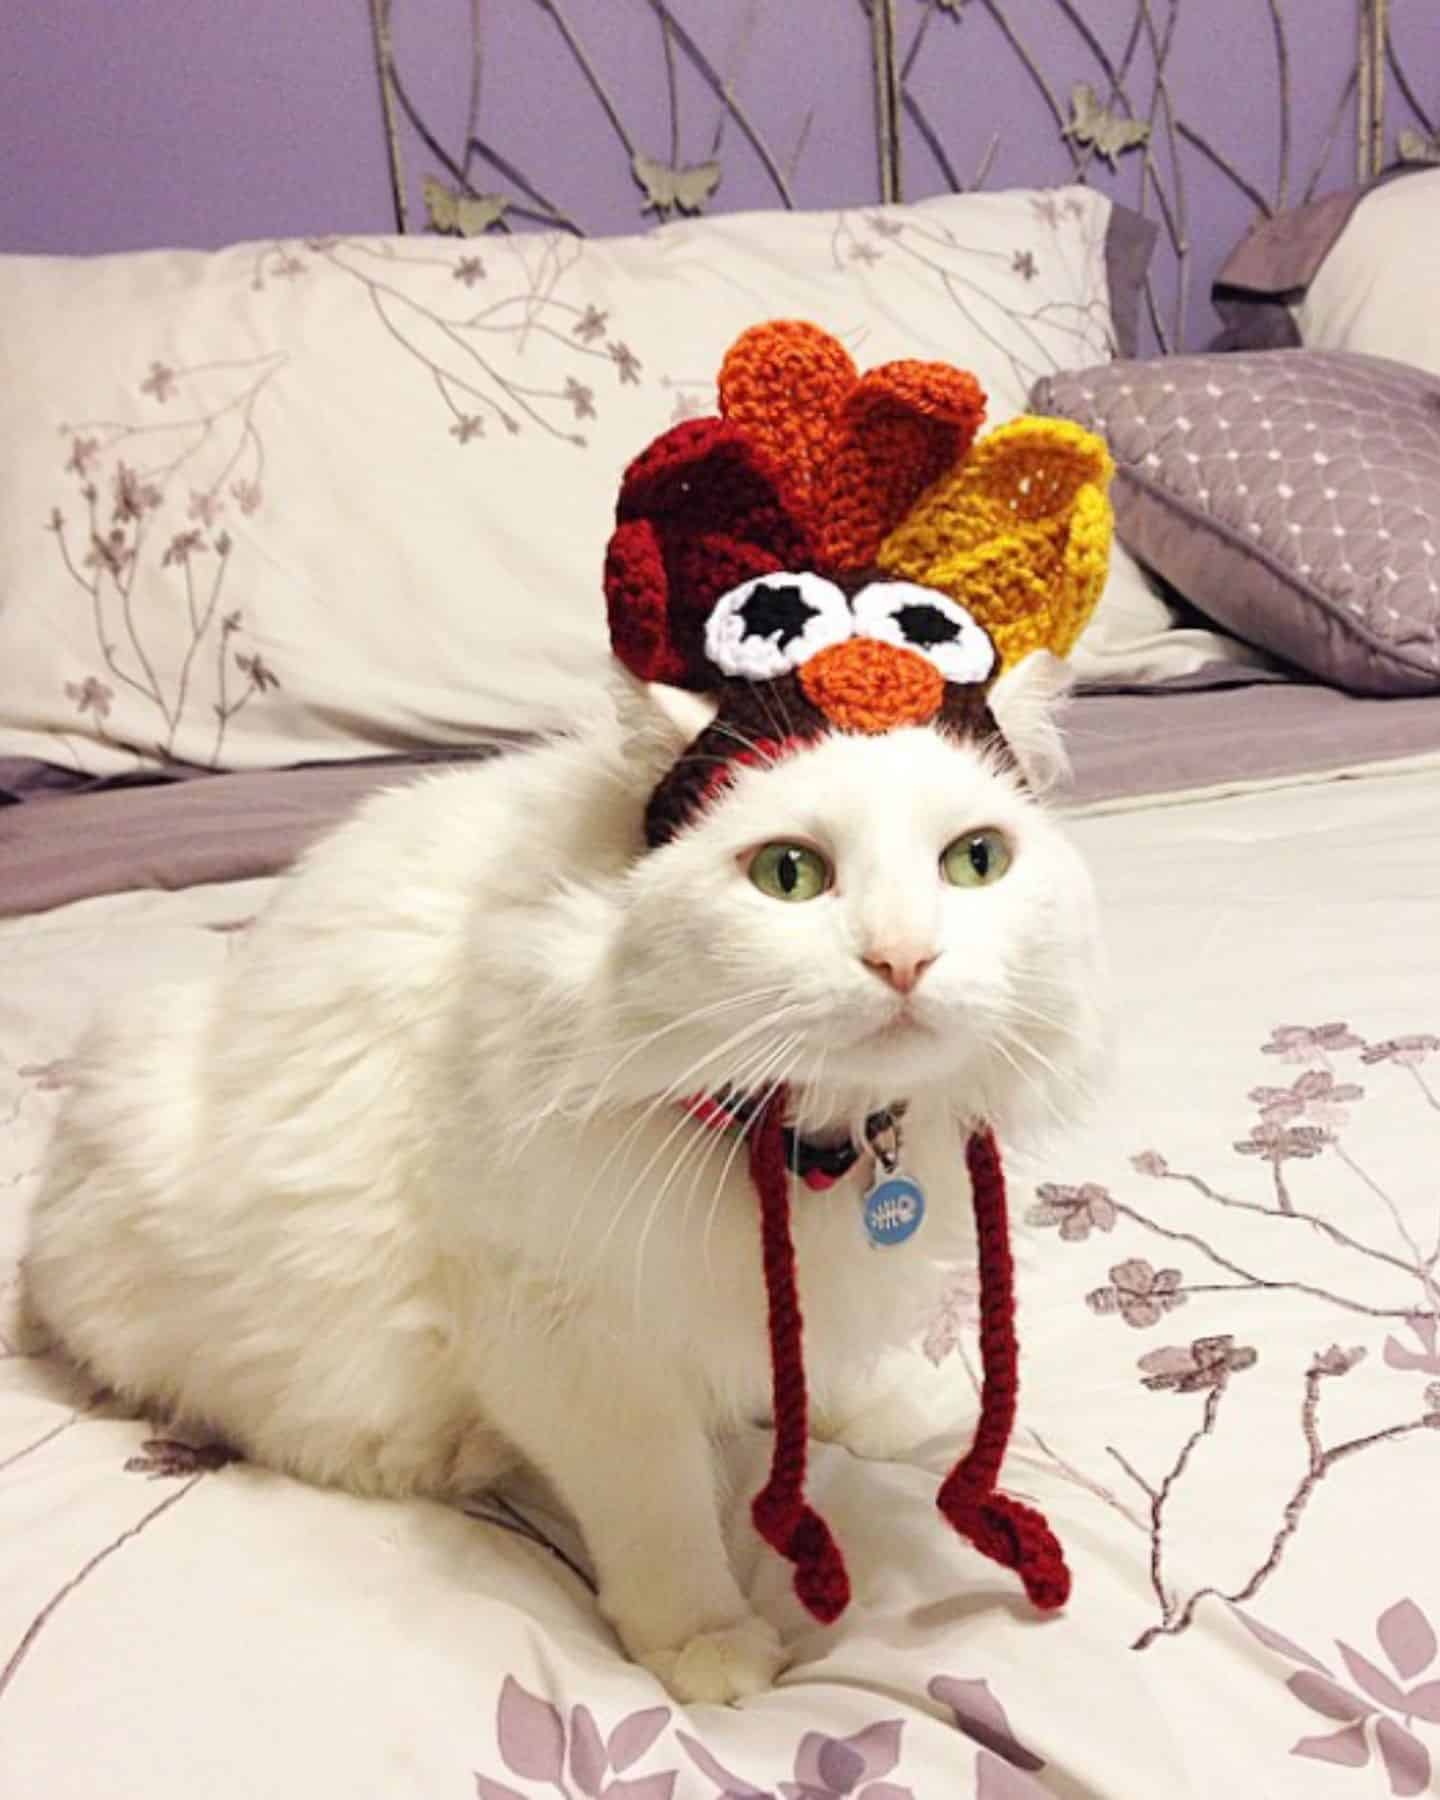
1229,1277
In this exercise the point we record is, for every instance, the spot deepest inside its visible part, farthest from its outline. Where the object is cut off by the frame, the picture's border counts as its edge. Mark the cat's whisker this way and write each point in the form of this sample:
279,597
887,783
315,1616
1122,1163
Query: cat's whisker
754,1059
1028,1047
741,1076
732,1151
722,1144
1040,1089
779,726
1064,1089
731,1142
784,1053
691,1077
754,997
686,1082
1016,1011
728,762
760,751
513,1133
620,1052
775,1079
1036,984
812,1103
630,1046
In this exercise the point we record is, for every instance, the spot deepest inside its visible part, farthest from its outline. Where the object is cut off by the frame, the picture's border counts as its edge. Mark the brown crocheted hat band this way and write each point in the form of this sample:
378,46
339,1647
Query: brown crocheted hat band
758,723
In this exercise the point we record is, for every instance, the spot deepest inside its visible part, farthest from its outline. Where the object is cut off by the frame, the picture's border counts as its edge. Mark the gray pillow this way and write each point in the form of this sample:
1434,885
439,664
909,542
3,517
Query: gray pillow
1291,495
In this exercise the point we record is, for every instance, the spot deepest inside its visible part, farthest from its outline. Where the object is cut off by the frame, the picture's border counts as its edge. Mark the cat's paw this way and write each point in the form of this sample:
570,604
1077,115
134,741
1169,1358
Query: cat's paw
887,1419
887,1429
721,1666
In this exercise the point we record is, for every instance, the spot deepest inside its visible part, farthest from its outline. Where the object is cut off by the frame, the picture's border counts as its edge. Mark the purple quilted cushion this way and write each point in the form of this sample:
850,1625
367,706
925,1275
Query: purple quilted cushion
1291,495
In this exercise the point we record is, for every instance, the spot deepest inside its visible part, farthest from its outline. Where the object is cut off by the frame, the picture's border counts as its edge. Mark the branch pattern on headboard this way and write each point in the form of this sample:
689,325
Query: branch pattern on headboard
595,115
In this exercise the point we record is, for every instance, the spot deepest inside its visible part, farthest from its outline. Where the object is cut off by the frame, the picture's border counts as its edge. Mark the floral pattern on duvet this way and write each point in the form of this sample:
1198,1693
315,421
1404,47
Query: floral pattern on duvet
1378,1292
1195,1264
536,1745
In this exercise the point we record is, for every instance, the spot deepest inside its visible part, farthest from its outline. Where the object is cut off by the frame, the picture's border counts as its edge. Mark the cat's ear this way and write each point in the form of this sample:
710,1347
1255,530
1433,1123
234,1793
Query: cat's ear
1026,700
687,714
663,718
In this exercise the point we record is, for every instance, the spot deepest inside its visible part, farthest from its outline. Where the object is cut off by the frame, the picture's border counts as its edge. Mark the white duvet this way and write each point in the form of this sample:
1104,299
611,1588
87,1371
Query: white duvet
1231,1416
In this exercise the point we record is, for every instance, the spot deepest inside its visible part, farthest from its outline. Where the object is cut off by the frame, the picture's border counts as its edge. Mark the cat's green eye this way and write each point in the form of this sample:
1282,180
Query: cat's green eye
789,872
976,859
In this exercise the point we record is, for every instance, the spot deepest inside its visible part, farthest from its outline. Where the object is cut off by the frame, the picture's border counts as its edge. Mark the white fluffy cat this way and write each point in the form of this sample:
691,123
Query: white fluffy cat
402,1194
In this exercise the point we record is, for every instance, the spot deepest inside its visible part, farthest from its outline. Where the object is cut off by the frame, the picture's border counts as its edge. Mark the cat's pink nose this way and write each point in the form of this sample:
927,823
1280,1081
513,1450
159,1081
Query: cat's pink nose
899,969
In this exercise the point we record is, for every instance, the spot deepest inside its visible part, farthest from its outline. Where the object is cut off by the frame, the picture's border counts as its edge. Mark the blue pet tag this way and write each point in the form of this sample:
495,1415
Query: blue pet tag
894,1209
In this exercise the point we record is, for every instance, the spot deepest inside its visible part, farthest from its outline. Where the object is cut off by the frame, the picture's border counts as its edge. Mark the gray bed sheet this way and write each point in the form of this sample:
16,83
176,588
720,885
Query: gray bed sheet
59,843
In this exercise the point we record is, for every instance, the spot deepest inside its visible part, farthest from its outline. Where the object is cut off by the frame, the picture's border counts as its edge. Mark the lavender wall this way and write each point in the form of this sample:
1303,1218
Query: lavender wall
127,123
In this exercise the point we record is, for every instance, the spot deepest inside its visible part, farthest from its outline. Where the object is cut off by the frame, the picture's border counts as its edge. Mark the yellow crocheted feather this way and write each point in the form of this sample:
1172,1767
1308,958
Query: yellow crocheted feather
1019,534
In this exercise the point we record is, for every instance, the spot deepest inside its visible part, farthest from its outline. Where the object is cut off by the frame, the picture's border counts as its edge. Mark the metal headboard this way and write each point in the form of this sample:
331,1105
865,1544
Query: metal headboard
849,102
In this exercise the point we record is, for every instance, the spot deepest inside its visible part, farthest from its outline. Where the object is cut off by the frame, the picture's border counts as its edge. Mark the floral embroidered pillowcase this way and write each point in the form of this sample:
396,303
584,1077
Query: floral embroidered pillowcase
303,501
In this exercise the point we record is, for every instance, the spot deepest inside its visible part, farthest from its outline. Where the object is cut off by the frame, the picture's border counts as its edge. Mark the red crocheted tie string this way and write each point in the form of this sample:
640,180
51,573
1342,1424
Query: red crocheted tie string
1014,1535
780,1511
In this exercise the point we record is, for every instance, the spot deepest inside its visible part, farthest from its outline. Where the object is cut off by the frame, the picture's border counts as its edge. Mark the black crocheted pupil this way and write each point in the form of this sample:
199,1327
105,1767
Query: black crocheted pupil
777,612
926,626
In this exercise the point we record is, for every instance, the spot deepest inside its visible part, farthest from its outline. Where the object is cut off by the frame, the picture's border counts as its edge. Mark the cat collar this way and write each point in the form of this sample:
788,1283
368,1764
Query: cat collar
836,552
818,1163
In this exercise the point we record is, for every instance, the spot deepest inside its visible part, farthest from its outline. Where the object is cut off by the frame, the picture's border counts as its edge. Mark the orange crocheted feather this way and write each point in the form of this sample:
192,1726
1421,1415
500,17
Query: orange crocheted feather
902,426
783,385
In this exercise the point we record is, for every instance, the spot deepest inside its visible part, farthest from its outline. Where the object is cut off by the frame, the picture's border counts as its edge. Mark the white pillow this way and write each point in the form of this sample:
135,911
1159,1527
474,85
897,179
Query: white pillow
298,501
1376,291
1137,639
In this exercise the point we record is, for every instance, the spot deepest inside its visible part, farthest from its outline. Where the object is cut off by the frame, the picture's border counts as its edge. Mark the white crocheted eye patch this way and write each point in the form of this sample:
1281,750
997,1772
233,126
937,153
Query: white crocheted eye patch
930,623
772,624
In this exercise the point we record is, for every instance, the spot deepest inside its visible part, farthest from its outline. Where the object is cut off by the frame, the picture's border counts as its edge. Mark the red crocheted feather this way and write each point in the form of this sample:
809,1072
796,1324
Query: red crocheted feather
699,512
637,592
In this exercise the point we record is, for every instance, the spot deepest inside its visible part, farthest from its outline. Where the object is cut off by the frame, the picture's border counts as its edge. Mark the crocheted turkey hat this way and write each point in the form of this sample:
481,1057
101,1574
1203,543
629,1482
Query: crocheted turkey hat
837,552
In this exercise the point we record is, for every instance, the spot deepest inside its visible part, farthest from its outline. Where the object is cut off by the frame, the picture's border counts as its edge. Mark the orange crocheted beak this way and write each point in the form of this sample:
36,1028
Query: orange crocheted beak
867,685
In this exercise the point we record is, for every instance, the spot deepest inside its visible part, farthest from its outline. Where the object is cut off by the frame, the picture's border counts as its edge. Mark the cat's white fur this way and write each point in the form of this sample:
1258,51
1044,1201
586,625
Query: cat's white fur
401,1193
